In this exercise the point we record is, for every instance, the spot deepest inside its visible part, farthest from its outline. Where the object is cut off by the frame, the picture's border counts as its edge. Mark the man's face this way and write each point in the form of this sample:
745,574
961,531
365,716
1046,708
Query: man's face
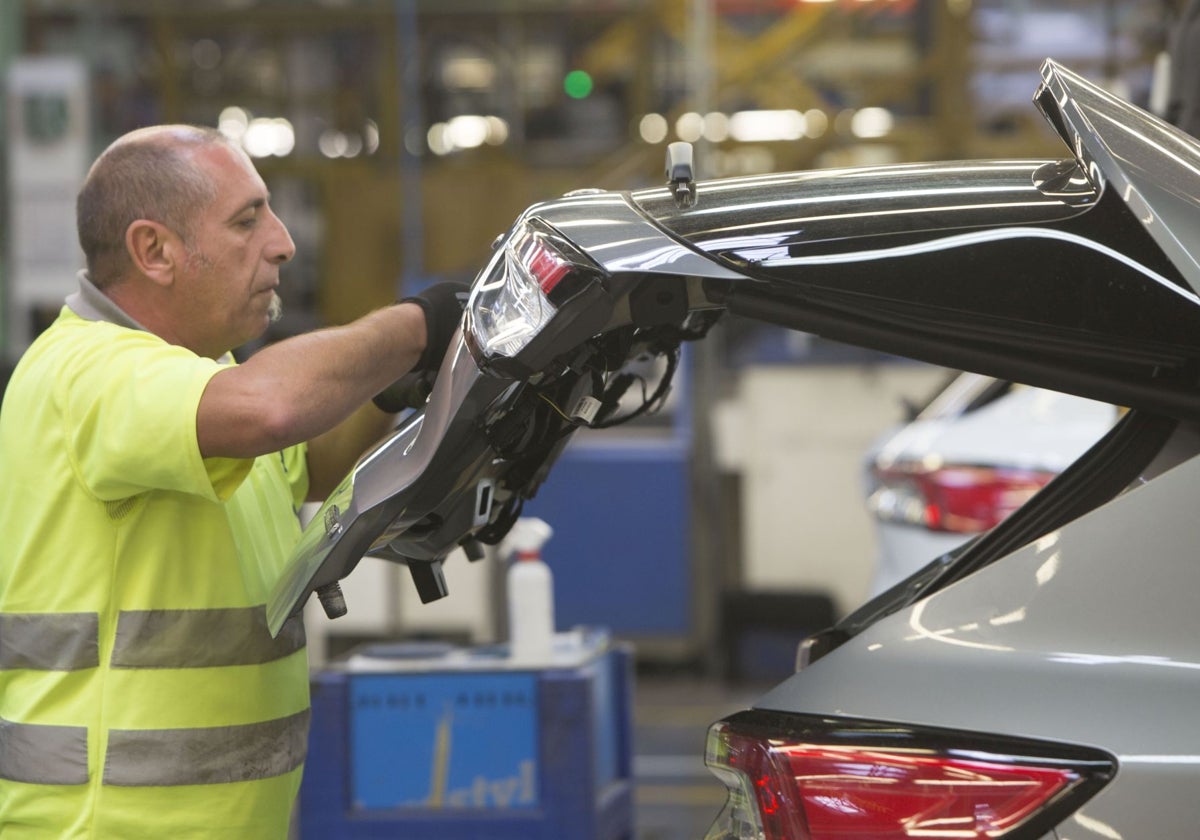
230,276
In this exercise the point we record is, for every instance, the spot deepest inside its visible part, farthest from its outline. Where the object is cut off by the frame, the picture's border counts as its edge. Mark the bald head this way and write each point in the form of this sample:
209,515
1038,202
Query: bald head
150,173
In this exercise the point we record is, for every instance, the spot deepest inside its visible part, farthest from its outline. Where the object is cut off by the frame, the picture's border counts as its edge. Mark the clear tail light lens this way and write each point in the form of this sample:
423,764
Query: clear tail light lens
508,307
961,499
529,278
791,777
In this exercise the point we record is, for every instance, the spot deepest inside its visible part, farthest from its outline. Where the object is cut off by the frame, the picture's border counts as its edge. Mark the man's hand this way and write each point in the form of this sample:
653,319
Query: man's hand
443,306
409,391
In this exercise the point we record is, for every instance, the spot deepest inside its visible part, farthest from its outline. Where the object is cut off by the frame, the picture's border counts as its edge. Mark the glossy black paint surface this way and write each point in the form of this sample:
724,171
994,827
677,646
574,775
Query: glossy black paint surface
1021,269
750,219
1077,275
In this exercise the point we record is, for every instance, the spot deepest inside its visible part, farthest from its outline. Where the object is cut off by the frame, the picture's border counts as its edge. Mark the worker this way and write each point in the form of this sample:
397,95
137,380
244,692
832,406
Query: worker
150,497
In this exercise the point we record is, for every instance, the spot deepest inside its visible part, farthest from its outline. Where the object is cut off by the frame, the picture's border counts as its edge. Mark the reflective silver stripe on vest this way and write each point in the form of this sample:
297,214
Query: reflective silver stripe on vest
49,641
201,638
207,755
43,755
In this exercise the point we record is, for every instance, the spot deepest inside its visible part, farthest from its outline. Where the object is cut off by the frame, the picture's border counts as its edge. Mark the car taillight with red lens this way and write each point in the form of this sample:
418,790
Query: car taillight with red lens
966,500
546,265
522,289
794,777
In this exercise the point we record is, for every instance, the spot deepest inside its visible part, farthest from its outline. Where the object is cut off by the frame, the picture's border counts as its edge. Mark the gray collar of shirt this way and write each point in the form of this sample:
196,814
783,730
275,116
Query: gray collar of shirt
91,304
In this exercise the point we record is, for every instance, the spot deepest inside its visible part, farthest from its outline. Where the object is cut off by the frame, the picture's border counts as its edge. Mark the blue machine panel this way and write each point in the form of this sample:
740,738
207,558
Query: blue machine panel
512,754
444,741
620,551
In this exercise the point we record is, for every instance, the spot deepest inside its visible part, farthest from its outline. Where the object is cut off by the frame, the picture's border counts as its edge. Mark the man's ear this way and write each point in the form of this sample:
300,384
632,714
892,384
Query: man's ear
155,250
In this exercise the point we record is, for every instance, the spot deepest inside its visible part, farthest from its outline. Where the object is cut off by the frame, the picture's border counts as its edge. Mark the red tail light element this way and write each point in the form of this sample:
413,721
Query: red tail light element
545,265
797,778
966,500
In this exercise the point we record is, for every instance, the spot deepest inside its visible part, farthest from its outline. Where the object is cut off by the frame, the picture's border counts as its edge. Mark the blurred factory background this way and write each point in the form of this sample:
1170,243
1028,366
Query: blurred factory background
400,137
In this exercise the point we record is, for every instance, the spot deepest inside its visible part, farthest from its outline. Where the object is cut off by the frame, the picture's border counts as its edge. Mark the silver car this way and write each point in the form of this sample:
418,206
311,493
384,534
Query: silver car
1036,684
979,450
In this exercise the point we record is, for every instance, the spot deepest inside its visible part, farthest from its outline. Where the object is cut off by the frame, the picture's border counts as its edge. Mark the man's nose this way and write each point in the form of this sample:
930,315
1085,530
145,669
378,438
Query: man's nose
282,247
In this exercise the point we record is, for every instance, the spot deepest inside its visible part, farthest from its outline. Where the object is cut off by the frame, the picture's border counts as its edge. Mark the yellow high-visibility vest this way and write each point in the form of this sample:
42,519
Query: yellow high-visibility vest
141,695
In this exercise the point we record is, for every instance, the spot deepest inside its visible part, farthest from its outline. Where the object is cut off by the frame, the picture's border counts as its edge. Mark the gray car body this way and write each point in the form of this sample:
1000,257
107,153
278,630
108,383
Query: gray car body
1091,634
1079,275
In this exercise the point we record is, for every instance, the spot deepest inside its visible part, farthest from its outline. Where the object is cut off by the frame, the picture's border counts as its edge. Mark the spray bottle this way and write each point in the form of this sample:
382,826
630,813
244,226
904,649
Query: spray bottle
530,592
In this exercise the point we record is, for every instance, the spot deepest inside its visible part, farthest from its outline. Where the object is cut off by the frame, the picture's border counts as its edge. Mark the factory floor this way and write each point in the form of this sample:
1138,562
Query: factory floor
675,796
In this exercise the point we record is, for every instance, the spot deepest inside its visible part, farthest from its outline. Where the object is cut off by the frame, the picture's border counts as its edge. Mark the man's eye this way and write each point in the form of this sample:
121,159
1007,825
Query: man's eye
248,222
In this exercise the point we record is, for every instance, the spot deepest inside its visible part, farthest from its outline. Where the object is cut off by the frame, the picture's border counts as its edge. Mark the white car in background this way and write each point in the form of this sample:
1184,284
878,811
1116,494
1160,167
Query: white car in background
974,454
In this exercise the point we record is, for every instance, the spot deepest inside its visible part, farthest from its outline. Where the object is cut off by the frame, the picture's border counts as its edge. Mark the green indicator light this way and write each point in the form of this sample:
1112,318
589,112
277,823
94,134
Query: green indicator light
577,84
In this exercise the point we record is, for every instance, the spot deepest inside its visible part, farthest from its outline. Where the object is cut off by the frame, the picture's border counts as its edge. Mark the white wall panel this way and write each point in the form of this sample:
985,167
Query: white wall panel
798,436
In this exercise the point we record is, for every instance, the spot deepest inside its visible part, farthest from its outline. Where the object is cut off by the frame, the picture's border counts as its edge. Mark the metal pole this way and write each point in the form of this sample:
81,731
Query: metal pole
411,139
708,543
412,223
11,37
700,58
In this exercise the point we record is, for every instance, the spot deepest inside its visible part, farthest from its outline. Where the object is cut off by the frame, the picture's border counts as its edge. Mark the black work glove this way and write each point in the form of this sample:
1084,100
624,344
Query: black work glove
443,304
409,391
